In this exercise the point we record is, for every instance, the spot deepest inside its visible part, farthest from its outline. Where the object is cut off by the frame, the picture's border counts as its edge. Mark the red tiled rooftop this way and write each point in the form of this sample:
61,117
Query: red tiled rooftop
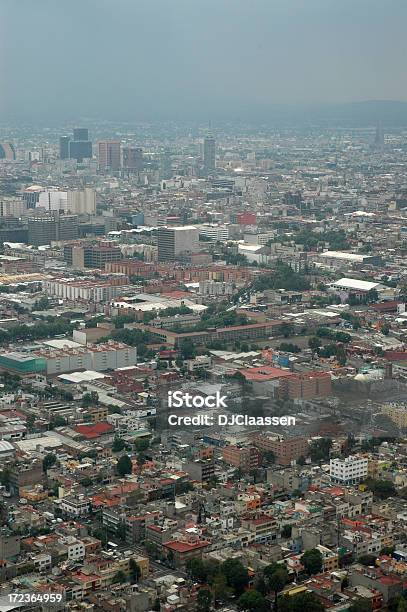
94,431
184,547
264,373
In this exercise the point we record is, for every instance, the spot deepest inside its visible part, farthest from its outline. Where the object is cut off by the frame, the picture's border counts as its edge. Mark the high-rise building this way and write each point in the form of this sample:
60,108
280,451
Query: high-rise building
176,241
80,150
64,147
209,154
133,158
12,206
81,134
51,226
379,138
80,147
81,201
109,155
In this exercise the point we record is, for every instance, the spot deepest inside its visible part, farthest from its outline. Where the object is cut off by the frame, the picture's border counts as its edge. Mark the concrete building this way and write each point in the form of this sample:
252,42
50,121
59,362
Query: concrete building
12,207
86,255
109,155
51,227
132,158
81,201
176,241
201,470
64,147
86,290
209,154
285,450
246,459
210,287
397,413
214,231
350,470
98,357
339,259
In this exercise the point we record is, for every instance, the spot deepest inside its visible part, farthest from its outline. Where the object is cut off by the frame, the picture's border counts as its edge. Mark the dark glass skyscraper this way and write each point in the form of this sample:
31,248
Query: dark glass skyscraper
80,147
81,134
64,147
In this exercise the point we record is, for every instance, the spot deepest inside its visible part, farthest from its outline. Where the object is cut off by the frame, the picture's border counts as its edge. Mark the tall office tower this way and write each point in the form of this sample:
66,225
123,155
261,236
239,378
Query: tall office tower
109,155
209,154
64,147
379,138
81,134
133,158
51,226
165,165
176,241
80,147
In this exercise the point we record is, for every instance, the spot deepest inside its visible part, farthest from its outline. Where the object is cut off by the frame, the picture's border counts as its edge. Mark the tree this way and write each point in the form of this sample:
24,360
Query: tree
314,343
90,399
196,569
236,574
48,461
57,421
361,605
385,329
341,355
367,560
253,601
289,347
302,602
135,571
119,577
204,600
187,348
286,531
276,578
41,304
320,449
220,587
382,489
124,466
312,561
118,444
286,329
402,605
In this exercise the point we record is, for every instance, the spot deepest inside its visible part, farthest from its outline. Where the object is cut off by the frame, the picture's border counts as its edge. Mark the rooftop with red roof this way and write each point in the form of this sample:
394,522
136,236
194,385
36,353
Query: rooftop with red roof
94,431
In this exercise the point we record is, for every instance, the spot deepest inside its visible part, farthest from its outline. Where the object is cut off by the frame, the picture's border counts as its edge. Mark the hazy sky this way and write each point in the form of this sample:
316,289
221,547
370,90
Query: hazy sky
138,59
